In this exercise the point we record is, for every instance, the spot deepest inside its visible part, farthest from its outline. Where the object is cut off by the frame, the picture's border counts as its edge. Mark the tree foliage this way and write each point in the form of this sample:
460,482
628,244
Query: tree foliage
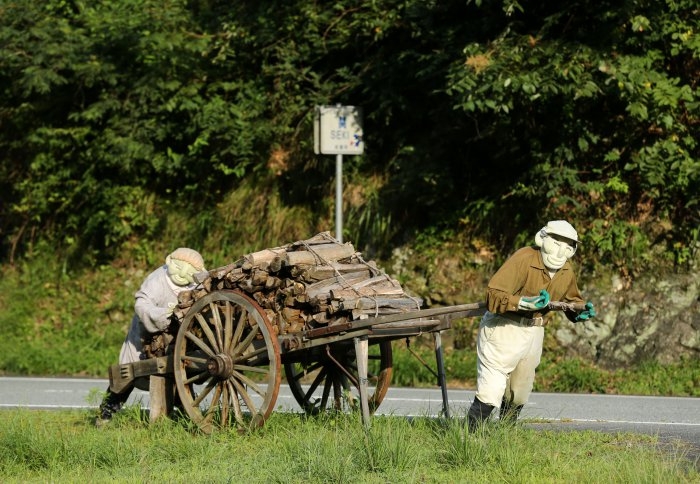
599,104
481,117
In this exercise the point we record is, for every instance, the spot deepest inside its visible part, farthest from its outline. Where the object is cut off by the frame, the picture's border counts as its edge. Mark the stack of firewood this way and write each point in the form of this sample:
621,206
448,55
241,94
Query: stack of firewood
310,283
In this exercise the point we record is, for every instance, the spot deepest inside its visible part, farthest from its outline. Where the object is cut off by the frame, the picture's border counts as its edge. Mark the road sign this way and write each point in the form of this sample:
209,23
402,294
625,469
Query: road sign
338,130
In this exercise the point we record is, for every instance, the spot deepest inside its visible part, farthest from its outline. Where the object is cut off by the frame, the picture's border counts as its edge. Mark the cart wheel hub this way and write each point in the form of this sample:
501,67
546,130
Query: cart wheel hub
220,366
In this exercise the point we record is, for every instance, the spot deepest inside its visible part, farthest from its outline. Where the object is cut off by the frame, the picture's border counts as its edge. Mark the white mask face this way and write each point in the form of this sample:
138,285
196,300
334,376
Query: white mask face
556,251
180,272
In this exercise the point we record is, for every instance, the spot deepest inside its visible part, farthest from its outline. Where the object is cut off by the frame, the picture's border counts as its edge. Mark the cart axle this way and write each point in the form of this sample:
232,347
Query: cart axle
220,366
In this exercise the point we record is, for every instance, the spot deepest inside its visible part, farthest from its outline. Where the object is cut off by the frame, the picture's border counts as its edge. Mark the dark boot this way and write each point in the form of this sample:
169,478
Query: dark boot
509,413
478,413
111,404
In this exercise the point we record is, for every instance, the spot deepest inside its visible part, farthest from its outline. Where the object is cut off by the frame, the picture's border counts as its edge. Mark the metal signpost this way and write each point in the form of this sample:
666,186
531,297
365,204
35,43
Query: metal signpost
338,131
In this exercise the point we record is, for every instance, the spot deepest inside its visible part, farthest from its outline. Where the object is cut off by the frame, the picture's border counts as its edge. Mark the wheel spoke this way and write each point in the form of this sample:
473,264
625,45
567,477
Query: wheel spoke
216,323
326,393
296,376
207,331
339,368
237,411
249,383
228,327
246,342
210,411
337,392
216,319
239,330
249,356
193,359
318,380
210,384
200,344
225,404
196,377
253,369
244,394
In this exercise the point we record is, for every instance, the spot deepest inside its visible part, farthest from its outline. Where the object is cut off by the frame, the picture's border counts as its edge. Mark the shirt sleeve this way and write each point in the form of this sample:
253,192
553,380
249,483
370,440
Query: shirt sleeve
152,300
572,295
503,291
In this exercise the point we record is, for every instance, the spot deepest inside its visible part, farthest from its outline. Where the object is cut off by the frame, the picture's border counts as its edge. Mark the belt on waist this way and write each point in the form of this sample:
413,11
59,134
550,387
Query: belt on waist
523,321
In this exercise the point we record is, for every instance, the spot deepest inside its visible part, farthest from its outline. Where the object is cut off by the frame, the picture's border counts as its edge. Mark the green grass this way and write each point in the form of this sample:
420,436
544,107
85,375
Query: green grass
41,446
54,325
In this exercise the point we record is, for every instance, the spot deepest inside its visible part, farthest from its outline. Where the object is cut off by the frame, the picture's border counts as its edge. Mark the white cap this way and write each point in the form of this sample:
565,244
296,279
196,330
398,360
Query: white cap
190,256
560,227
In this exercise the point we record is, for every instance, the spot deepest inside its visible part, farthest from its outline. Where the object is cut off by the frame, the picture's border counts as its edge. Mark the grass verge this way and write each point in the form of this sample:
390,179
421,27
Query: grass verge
42,446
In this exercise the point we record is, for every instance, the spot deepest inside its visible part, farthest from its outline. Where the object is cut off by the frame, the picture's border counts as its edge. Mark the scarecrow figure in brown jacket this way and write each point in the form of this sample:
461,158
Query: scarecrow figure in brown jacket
509,343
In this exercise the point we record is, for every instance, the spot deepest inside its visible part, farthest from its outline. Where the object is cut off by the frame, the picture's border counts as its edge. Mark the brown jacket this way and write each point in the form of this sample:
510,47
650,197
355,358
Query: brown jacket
524,274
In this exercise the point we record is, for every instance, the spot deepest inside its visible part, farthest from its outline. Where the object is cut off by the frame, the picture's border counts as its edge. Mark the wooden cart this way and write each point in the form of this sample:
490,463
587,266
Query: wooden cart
226,362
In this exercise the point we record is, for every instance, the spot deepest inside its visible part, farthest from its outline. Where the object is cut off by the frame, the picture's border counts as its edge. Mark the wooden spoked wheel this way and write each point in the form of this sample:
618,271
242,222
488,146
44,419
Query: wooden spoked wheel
226,362
326,378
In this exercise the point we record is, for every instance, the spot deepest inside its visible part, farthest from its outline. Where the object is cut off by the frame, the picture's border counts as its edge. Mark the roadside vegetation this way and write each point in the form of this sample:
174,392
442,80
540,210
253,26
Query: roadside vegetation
64,326
38,446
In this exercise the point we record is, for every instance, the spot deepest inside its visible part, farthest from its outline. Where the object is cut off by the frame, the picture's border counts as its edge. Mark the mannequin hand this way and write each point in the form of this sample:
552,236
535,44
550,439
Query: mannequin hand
534,303
587,313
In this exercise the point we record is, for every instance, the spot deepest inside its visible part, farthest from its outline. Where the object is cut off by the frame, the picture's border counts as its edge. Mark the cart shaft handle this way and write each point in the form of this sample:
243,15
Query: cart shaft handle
449,312
564,306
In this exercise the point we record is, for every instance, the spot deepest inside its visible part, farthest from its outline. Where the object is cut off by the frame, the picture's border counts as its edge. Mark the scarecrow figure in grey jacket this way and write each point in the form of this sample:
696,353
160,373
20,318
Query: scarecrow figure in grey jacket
155,303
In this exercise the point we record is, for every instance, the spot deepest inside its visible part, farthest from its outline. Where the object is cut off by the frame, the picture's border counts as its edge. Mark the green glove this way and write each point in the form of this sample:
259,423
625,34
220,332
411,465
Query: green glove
535,302
587,313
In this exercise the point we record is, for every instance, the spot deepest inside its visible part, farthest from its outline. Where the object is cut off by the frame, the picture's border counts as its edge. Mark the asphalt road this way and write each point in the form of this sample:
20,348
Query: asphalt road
671,418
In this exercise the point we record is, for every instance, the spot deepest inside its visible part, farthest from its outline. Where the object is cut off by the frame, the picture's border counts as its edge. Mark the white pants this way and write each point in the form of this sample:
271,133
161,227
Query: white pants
507,357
